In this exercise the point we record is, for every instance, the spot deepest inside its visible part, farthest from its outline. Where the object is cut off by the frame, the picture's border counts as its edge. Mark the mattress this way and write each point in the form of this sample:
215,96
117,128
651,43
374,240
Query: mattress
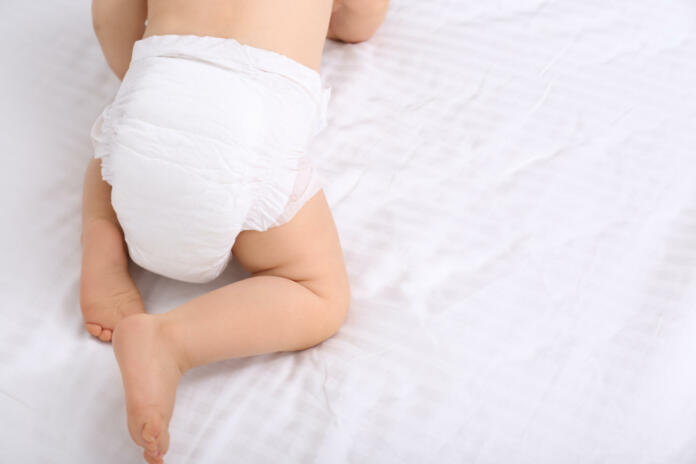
514,185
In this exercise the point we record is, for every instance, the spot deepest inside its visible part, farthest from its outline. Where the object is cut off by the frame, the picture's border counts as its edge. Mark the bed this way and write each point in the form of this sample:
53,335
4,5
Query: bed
514,185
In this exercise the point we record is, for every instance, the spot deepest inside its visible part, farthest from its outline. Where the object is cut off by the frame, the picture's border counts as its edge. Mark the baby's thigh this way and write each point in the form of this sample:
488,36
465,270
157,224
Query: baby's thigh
306,249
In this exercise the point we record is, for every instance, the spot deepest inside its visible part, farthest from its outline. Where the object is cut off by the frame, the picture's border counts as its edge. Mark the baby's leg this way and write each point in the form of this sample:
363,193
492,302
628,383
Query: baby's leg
107,292
297,296
356,20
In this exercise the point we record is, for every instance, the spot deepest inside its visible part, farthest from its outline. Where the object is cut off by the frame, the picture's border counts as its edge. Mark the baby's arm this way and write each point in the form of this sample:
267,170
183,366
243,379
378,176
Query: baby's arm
356,20
118,24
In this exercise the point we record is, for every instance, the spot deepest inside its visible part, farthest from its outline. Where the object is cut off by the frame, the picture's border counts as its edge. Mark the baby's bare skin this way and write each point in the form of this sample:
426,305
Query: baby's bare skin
298,292
296,29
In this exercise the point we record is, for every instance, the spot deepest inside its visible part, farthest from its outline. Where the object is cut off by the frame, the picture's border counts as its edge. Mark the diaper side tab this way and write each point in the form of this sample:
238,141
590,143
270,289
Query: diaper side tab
102,134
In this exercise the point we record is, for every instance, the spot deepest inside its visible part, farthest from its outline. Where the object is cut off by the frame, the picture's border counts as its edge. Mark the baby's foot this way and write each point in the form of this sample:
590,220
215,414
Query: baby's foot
107,292
151,372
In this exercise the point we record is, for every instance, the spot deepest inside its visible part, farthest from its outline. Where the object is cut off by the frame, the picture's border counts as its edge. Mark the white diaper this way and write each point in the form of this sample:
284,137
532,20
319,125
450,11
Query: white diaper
205,138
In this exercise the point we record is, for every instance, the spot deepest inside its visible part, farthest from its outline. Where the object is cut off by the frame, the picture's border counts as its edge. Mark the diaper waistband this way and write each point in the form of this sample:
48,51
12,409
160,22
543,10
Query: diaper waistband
229,53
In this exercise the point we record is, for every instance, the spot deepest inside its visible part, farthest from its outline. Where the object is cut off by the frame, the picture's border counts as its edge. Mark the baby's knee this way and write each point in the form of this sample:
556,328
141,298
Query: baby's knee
339,303
334,294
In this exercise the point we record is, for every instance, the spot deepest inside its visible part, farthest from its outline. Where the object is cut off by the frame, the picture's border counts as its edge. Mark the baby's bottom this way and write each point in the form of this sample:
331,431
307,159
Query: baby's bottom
296,297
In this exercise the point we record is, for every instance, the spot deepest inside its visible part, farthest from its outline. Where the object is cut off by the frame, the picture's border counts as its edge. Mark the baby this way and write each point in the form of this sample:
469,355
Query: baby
200,156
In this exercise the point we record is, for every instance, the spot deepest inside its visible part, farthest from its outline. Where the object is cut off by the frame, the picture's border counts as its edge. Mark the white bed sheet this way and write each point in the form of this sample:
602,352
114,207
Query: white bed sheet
514,183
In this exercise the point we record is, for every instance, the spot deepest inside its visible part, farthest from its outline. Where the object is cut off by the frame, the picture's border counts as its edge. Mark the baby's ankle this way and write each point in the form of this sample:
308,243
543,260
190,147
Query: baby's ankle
168,332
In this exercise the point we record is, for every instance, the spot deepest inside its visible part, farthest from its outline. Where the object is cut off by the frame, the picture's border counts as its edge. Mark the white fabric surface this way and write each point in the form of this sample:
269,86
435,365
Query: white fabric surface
205,138
514,183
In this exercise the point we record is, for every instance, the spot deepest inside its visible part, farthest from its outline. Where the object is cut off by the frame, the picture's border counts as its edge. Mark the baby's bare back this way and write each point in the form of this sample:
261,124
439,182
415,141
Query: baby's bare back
294,28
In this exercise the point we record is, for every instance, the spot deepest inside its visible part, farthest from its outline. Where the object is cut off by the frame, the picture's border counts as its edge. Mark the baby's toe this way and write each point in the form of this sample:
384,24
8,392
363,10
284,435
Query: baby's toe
151,448
152,452
151,432
156,438
105,336
152,460
93,329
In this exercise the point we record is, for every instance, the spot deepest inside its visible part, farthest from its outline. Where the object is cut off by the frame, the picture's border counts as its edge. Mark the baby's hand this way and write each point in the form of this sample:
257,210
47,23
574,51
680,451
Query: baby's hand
356,20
